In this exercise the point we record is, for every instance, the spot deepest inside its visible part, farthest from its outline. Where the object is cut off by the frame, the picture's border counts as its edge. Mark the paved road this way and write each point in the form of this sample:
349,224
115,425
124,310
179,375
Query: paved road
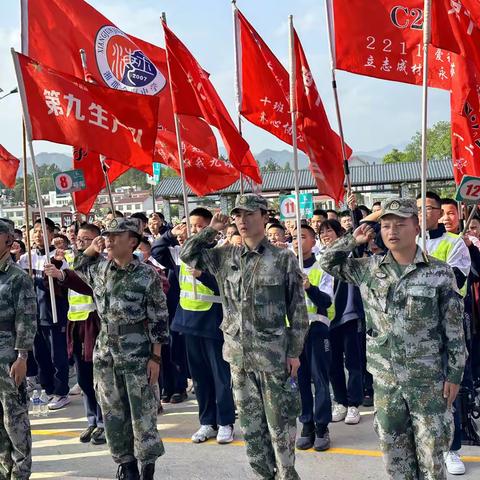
57,453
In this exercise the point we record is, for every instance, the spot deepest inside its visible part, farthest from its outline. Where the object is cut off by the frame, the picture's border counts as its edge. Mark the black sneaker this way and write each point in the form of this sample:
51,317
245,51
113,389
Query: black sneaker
322,441
98,436
148,471
128,471
307,437
178,397
86,435
368,401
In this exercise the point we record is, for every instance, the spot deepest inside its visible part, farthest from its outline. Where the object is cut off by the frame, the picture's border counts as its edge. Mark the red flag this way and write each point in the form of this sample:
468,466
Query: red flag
53,32
8,168
323,145
204,173
89,162
64,109
195,95
384,39
465,120
264,90
456,27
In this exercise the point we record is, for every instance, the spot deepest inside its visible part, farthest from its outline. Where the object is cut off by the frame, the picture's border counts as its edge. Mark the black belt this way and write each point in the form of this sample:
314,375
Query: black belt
117,330
7,327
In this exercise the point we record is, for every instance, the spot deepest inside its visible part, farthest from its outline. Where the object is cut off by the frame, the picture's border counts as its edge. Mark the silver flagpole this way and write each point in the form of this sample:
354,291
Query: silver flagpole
293,110
346,168
426,40
28,129
238,85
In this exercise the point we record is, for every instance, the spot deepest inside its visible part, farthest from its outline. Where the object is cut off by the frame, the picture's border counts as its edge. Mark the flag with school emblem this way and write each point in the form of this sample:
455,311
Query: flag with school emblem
64,109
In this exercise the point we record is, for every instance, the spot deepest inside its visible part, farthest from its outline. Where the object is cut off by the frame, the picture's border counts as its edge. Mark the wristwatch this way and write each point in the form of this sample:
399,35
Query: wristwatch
23,354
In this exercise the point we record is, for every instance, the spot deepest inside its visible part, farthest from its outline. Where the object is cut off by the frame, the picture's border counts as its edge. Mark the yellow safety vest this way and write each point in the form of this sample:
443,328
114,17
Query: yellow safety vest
442,250
80,306
205,297
315,277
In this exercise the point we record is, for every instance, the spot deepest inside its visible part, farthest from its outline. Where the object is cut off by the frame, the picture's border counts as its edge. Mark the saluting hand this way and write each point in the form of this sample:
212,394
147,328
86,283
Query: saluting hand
97,247
179,230
219,221
363,234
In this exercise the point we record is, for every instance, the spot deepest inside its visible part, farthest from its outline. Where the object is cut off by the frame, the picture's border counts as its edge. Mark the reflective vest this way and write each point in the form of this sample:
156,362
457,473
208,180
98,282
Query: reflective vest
315,274
80,306
204,298
69,258
440,249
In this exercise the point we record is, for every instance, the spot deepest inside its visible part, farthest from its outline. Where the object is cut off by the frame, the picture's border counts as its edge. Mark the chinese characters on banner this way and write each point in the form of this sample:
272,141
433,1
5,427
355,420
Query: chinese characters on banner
64,109
384,39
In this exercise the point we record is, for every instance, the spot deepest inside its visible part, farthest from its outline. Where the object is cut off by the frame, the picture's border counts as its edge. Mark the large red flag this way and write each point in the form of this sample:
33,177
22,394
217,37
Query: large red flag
8,168
384,38
196,96
465,120
323,145
456,27
53,32
64,109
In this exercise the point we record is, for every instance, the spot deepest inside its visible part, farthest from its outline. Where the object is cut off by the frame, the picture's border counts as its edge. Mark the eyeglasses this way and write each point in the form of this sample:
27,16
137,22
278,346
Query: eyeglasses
84,239
428,209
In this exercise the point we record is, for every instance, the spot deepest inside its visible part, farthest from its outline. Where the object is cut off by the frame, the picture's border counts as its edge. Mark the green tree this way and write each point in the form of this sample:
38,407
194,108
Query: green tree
439,146
271,166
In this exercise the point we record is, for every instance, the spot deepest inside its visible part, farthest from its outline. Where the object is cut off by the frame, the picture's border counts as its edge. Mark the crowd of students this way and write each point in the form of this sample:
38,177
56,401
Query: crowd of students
333,359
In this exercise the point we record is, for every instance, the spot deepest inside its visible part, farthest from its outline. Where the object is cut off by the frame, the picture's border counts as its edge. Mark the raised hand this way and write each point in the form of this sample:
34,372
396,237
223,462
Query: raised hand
363,234
219,221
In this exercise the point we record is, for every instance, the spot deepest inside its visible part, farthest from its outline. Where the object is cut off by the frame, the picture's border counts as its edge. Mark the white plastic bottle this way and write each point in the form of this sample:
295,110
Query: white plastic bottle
35,404
44,404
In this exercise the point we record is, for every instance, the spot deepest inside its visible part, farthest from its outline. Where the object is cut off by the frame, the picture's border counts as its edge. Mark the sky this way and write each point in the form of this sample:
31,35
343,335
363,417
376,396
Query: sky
375,112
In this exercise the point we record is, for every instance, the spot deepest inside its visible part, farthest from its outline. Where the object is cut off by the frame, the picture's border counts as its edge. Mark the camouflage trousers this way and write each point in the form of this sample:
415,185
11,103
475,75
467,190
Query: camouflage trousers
15,434
268,411
415,427
130,414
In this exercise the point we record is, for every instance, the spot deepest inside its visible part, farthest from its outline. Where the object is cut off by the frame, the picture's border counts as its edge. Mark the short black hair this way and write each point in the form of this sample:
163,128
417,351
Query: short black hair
7,220
365,209
277,225
63,237
17,231
201,212
432,196
273,220
375,204
345,213
90,227
320,212
450,201
48,222
309,229
117,213
160,214
236,234
334,225
23,248
331,210
145,241
141,216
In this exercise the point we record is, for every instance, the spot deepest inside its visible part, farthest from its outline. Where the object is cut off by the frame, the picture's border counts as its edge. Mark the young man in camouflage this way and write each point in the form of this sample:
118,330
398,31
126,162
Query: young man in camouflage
18,324
416,348
134,324
265,322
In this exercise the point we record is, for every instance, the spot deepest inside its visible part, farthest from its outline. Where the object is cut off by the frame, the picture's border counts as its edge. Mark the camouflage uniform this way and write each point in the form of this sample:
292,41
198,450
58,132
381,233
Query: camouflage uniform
416,344
18,324
133,313
261,290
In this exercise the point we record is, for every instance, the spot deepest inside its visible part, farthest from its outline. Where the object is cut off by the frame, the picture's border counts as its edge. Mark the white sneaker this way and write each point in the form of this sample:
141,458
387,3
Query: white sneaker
75,390
225,434
454,463
58,402
203,434
339,412
353,416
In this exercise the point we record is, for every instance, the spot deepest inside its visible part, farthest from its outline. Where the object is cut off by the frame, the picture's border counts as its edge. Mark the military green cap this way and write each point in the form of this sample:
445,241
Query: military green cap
6,227
250,202
401,207
121,225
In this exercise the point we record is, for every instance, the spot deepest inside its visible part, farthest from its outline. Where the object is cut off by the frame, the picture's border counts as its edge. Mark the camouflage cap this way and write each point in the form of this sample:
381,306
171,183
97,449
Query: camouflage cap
6,227
250,202
121,225
401,207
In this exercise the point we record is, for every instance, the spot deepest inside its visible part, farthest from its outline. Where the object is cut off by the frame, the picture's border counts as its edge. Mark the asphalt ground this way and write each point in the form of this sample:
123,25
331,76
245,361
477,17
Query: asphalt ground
57,452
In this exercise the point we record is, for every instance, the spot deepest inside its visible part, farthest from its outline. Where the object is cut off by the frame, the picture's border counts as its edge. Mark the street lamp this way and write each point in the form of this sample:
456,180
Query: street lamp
15,90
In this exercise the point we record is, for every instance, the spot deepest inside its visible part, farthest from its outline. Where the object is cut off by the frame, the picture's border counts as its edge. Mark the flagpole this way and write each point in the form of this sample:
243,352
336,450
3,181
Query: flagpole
83,57
25,199
346,167
28,131
238,87
469,220
426,40
293,110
